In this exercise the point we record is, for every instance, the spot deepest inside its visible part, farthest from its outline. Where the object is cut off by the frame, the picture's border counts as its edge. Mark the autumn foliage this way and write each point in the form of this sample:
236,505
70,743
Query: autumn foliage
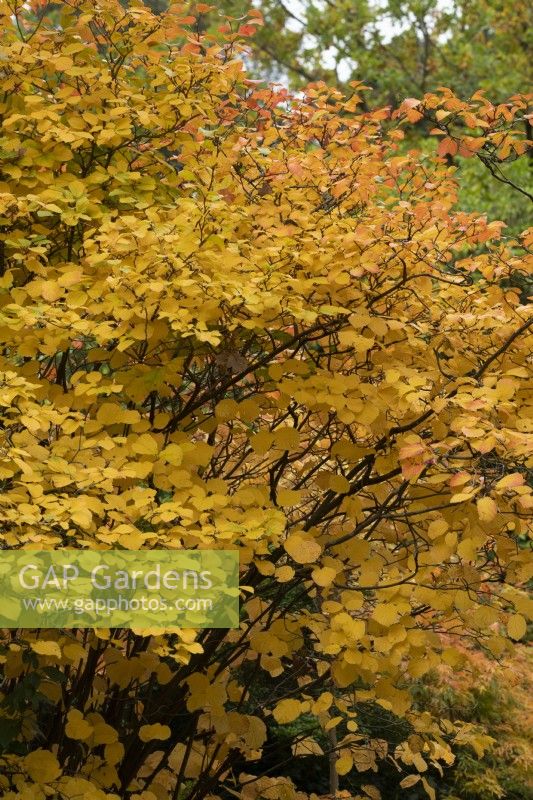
496,699
234,319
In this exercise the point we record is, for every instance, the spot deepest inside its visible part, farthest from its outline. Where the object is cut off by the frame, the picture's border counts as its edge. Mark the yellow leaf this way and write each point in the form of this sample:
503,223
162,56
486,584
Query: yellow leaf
505,388
517,627
287,711
288,497
486,509
324,576
42,766
360,344
148,733
284,573
261,442
256,732
226,410
352,600
286,438
323,703
46,648
145,445
339,484
430,791
437,528
386,614
344,764
409,781
461,497
412,450
74,652
107,413
511,481
372,791
172,454
307,747
102,732
249,410
82,517
459,479
50,291
113,753
265,567
77,727
302,549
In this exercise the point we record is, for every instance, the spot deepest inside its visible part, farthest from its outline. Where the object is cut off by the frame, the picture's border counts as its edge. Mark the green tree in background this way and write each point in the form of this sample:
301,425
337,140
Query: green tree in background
399,48
404,49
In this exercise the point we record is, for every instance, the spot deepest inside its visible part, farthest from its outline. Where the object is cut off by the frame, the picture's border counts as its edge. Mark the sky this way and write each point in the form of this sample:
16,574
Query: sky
345,67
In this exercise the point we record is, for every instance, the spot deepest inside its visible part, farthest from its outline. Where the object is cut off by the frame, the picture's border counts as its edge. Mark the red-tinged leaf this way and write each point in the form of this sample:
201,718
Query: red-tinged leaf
246,30
465,152
473,143
459,479
412,469
412,450
511,481
447,146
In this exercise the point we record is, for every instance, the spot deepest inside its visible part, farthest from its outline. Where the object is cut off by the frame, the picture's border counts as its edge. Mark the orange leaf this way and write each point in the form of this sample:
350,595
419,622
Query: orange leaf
447,146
